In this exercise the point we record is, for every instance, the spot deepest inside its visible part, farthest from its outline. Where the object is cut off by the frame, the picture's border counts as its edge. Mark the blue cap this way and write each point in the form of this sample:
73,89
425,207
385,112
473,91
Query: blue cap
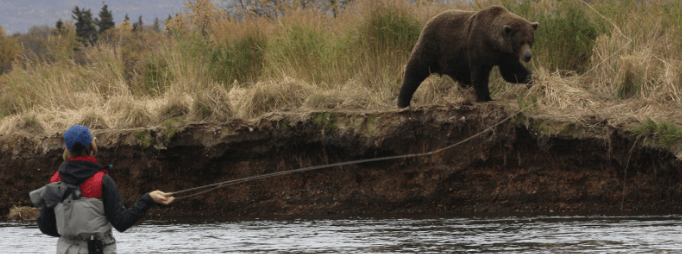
77,134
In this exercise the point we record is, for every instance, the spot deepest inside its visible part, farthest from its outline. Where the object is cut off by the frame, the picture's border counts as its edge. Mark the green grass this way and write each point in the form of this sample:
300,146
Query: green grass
390,29
631,86
156,78
530,101
241,61
31,124
303,51
146,140
171,127
566,35
666,133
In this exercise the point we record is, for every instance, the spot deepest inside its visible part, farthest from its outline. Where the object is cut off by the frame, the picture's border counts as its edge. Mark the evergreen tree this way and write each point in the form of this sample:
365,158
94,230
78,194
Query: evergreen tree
59,26
166,26
157,25
125,25
106,19
85,27
137,26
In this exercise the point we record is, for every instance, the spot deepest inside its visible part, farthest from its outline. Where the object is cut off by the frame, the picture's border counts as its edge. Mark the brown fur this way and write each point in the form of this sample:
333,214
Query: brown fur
466,45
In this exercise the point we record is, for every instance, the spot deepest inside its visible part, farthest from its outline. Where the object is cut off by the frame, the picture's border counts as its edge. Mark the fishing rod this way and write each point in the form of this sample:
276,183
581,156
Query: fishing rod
339,164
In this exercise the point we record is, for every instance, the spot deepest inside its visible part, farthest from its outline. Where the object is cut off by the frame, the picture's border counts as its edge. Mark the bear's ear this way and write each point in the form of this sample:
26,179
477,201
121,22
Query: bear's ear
535,25
507,30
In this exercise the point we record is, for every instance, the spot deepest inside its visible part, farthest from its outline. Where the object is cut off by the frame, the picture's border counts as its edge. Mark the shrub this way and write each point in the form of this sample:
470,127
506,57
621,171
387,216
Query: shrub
381,45
156,77
241,60
302,51
566,36
390,29
9,50
134,49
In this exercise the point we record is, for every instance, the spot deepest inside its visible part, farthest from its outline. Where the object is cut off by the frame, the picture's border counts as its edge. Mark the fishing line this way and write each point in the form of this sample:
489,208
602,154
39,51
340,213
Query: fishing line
252,178
287,172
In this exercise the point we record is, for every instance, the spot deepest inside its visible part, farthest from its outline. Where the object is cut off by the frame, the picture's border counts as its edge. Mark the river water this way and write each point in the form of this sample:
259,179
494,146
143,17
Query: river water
381,234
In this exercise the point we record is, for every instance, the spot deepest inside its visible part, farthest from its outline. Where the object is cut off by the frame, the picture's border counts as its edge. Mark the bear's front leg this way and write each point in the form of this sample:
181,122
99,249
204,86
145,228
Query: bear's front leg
513,71
480,76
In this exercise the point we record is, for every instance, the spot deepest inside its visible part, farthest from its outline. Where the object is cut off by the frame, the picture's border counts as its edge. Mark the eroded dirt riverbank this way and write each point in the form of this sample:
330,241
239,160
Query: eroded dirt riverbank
528,164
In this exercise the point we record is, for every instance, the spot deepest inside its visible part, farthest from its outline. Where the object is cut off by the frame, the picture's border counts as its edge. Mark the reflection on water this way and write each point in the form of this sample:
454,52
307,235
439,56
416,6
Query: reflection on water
512,234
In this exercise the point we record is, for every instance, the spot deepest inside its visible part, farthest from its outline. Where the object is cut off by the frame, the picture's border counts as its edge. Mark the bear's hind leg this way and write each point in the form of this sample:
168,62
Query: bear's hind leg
415,73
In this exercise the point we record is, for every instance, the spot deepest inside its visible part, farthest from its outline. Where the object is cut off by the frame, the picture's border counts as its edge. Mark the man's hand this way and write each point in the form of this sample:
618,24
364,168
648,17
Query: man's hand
161,197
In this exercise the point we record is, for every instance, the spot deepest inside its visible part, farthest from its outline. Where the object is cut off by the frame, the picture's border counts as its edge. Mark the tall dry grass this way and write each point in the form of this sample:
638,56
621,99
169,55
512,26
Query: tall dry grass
634,70
616,59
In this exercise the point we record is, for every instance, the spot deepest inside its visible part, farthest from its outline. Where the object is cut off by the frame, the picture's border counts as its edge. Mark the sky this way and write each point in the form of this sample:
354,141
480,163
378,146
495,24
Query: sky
20,15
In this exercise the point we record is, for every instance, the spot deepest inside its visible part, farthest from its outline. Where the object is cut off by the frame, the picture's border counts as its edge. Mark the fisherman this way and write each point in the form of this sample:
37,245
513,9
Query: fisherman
82,203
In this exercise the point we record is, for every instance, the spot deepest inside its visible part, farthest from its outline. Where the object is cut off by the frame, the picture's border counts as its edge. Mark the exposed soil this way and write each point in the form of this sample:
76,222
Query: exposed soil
528,164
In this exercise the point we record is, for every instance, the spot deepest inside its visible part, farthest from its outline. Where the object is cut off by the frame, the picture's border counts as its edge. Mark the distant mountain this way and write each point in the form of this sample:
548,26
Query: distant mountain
20,15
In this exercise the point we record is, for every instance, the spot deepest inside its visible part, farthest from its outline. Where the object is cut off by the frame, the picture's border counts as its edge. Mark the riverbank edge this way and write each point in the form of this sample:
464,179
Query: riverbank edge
529,164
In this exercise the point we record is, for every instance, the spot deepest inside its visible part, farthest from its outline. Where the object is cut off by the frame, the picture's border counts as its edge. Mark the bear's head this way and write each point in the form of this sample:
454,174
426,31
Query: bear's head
519,35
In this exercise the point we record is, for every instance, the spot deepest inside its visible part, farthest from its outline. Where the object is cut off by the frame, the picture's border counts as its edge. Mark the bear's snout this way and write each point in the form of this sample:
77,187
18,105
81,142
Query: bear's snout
527,56
525,53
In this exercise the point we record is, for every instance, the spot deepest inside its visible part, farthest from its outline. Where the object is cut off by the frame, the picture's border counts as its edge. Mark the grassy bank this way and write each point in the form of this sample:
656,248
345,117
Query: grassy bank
617,59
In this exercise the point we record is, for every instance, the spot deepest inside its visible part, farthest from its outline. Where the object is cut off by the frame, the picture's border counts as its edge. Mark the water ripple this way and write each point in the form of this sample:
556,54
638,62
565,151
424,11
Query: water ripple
511,234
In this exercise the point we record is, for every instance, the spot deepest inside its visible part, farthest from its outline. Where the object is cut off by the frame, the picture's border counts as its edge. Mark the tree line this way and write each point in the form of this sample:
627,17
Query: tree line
48,44
88,29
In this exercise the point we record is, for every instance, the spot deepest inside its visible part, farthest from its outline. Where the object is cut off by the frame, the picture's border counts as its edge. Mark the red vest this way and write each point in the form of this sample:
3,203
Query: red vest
90,188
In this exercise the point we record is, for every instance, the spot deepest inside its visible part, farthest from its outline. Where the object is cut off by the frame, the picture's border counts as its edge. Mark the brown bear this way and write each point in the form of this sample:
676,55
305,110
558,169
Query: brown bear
465,45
